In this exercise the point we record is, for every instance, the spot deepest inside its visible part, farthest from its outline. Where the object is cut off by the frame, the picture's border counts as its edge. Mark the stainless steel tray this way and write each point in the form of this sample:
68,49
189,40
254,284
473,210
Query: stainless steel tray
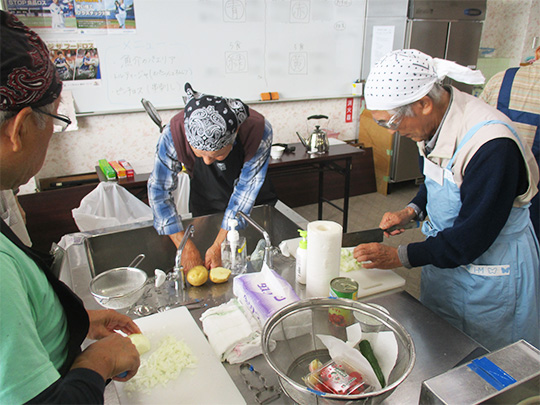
462,385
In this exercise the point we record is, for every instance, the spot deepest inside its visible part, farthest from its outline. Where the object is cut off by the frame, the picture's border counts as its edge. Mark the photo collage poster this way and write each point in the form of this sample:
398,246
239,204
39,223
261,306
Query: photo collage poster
76,16
77,62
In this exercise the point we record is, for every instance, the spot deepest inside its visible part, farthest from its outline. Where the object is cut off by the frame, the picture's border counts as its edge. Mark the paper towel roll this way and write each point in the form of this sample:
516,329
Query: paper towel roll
324,254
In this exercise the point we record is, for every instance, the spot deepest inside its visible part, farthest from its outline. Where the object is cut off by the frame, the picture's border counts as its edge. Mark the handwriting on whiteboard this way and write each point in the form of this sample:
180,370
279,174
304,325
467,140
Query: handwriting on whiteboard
143,69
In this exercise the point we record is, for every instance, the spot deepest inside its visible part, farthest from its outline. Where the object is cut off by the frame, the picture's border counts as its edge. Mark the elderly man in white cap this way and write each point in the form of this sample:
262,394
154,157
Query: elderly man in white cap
481,257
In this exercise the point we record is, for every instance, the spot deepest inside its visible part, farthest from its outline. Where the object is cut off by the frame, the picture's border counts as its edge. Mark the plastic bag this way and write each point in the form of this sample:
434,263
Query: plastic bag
109,205
335,378
384,346
263,293
181,194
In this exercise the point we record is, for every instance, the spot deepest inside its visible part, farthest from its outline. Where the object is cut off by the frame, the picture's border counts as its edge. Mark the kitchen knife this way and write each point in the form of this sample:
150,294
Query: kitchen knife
353,239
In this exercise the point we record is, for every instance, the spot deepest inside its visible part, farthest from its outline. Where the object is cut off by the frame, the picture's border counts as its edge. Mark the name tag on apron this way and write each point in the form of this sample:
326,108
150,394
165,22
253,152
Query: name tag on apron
433,171
489,271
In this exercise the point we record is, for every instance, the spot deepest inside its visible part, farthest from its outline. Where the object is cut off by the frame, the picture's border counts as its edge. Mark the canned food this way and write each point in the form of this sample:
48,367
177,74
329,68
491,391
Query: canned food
342,287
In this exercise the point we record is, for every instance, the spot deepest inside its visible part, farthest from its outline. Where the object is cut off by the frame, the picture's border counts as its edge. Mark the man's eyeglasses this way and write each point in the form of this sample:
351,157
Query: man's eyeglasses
60,120
394,121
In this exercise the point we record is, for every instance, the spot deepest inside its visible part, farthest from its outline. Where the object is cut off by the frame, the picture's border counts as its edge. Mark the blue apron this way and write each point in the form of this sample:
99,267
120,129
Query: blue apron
503,105
495,300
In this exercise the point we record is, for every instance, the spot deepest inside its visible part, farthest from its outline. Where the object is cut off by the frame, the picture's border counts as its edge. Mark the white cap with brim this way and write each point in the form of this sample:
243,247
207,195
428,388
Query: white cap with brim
406,75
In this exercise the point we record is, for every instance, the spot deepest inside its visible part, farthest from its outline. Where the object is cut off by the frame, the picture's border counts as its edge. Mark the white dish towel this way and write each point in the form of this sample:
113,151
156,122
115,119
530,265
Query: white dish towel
232,332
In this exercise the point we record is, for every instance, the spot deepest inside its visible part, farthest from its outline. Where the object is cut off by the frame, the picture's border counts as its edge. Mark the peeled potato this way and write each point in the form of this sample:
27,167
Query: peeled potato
141,342
197,276
219,275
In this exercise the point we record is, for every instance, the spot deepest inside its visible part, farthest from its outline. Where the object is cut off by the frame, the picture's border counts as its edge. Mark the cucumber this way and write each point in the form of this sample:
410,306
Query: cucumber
367,352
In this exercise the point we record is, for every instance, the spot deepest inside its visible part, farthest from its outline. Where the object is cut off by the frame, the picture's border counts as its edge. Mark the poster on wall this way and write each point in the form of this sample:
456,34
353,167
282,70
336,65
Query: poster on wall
53,15
77,62
108,16
97,16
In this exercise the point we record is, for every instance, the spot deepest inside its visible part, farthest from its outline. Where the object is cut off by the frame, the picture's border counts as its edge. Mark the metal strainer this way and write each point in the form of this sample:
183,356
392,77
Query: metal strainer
294,329
120,287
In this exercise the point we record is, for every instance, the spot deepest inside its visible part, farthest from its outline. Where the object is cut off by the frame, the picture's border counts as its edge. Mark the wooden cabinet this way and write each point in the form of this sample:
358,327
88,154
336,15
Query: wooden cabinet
380,141
395,157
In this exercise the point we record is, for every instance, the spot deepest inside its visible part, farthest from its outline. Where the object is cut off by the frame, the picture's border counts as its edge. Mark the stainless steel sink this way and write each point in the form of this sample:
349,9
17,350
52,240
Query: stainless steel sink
117,249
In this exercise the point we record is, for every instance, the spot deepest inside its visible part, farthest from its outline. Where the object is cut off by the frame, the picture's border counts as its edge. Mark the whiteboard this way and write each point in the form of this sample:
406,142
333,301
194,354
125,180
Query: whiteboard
302,49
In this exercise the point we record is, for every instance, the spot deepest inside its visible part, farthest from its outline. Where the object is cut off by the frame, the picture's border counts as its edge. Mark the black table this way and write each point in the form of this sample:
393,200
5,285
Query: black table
337,159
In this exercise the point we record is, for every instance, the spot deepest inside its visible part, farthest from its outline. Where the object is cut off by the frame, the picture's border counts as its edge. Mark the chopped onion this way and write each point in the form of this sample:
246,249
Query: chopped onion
161,366
348,262
141,342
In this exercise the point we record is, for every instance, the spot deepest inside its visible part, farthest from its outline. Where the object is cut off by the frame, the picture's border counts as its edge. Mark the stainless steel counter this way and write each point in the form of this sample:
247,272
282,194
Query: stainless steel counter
439,346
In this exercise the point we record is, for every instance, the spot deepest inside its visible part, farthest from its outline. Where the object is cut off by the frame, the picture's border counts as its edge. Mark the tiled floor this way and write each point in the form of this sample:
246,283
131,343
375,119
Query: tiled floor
365,212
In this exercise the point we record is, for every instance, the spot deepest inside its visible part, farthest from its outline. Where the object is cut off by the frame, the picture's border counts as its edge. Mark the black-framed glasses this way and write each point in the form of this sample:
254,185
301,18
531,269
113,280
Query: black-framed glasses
394,121
60,120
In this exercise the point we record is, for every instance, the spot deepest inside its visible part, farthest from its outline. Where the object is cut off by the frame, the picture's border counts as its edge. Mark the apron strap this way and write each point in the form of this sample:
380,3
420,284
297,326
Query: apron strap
523,117
503,101
473,131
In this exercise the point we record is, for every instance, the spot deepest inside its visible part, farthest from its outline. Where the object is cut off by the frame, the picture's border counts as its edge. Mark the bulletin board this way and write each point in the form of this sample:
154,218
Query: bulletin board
302,49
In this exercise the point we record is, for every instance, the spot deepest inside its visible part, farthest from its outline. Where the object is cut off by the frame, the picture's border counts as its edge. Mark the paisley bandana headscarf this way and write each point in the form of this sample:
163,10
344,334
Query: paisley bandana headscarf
211,122
28,77
404,76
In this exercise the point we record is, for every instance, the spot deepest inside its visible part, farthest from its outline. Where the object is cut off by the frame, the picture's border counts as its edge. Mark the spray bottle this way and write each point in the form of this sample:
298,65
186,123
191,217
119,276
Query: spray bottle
301,258
233,250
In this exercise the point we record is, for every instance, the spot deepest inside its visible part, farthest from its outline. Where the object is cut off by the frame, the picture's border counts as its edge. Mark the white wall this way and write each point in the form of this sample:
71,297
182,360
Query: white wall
509,27
133,136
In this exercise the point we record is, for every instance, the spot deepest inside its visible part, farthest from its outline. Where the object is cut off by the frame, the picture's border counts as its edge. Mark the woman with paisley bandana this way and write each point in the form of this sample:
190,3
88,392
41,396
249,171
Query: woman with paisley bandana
224,146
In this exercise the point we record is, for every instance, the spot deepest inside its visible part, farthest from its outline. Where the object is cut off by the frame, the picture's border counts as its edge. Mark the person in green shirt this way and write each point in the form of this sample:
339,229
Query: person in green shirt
42,322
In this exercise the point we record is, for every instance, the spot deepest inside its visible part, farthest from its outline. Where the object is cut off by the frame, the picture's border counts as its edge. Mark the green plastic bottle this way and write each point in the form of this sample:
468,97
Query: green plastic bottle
301,258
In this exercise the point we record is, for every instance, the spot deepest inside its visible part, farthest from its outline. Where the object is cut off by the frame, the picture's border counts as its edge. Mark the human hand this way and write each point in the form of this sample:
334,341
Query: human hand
109,357
380,256
104,322
397,218
213,256
191,256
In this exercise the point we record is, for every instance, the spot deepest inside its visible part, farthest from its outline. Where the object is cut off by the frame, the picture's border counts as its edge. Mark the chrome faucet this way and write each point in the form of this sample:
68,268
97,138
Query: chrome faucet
268,243
178,270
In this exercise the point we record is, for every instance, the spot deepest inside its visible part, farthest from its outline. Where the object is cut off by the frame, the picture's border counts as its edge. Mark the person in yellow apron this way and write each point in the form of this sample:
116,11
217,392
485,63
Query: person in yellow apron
481,267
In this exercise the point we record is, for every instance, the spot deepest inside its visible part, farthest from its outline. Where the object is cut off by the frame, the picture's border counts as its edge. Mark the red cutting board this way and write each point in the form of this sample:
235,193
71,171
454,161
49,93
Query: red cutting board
208,383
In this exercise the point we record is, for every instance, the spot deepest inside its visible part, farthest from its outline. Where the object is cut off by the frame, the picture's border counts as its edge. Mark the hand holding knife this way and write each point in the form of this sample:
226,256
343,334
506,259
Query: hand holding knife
353,239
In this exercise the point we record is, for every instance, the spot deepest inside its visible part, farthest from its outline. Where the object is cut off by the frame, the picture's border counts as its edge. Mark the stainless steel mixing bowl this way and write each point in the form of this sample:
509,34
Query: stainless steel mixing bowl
119,288
293,329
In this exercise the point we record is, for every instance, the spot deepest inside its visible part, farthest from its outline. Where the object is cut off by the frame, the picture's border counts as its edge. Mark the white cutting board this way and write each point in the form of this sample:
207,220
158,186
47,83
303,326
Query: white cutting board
208,383
370,281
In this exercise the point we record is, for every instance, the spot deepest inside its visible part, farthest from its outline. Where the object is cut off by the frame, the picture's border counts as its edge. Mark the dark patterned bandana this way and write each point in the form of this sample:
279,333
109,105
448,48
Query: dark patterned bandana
28,77
211,122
